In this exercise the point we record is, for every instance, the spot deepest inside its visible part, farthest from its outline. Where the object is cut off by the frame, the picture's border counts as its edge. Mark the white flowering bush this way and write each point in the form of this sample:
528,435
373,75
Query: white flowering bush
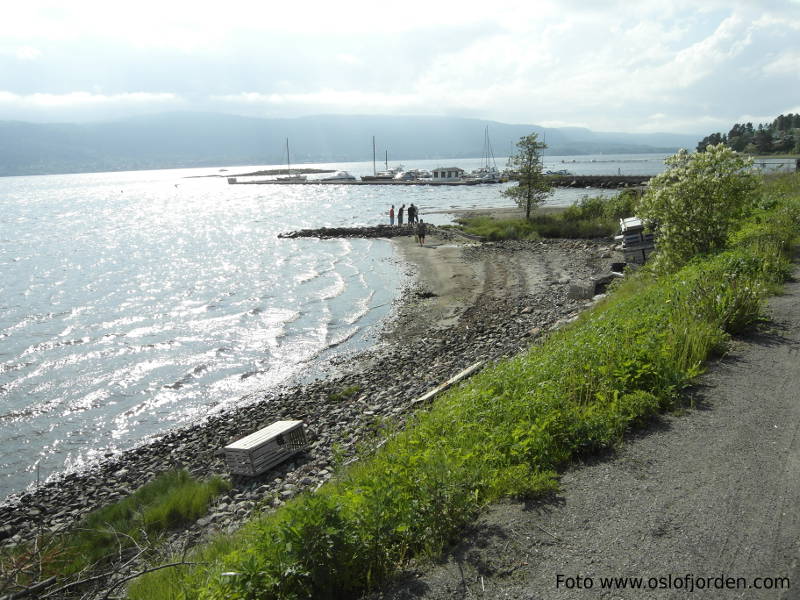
697,202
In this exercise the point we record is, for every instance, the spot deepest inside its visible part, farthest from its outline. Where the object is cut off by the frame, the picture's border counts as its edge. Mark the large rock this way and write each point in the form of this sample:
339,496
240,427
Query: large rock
581,290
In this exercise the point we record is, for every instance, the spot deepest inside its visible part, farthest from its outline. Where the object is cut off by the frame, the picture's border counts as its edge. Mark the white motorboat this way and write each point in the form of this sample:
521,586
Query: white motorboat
339,176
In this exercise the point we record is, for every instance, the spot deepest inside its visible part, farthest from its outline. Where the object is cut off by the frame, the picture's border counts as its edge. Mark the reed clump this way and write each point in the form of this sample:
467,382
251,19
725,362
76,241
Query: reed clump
172,500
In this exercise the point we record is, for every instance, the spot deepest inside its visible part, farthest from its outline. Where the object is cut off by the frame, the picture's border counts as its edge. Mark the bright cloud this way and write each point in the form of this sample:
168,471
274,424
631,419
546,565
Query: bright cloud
84,99
614,65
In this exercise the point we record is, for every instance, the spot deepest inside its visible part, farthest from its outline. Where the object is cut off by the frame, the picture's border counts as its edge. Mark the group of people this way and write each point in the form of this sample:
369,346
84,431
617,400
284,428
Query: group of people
413,215
413,218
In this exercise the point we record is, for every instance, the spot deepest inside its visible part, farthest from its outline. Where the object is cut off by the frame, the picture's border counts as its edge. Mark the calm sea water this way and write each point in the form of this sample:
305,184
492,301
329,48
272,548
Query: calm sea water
134,302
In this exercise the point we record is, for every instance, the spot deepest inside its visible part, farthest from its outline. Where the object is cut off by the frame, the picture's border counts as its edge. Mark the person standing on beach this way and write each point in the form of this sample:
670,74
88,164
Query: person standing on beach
412,214
391,216
400,215
421,230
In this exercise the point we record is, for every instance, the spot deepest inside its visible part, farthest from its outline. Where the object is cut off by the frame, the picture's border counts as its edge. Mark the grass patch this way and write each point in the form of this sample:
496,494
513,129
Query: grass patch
345,393
505,432
173,499
590,217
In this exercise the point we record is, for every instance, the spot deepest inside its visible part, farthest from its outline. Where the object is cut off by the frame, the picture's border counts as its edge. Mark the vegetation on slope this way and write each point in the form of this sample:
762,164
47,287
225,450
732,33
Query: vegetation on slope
590,217
781,136
173,499
507,430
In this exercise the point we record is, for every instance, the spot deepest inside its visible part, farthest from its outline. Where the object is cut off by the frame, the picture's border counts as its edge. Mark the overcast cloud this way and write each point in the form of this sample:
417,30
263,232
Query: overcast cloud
679,66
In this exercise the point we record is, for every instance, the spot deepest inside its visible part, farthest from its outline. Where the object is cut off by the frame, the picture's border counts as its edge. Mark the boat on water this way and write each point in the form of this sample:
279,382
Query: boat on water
385,175
413,175
488,172
290,177
340,176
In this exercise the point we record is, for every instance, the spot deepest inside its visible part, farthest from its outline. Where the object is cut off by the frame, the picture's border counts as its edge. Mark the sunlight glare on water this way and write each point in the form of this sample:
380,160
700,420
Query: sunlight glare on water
134,302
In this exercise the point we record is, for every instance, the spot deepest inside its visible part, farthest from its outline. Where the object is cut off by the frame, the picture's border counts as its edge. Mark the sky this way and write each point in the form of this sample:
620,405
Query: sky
636,66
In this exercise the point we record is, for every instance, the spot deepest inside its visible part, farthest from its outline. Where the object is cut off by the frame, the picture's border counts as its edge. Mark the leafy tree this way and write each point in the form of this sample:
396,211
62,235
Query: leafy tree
763,140
532,186
711,140
695,203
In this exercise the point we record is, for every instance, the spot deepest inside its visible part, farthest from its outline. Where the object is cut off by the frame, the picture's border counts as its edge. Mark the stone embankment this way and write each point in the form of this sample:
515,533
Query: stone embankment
387,379
376,231
599,181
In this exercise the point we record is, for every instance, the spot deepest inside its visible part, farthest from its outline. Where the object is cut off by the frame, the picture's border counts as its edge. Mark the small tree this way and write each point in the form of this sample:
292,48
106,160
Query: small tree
532,186
697,201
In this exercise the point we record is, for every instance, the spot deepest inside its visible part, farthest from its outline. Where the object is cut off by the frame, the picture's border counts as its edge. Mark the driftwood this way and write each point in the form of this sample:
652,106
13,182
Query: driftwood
28,591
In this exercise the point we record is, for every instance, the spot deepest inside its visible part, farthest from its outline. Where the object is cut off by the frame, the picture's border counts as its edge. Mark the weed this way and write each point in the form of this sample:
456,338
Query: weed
345,393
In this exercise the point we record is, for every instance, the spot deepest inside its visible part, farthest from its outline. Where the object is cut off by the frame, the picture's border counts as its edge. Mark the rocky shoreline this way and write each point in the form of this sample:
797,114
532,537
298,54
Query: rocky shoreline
508,313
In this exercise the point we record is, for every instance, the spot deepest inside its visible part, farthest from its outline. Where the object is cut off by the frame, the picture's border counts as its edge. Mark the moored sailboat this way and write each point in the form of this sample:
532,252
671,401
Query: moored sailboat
290,177
488,172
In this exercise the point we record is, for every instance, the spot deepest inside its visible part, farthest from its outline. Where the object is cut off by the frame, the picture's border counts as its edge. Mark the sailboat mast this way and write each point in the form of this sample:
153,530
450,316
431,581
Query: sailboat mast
490,154
374,170
288,164
386,160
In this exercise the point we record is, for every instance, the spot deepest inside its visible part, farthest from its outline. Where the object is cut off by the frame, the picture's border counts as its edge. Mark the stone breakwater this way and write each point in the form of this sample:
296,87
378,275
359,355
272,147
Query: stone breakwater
376,231
388,379
599,181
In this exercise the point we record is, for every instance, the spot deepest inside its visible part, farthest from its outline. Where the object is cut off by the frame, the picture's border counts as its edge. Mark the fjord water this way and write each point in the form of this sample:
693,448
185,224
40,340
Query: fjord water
134,302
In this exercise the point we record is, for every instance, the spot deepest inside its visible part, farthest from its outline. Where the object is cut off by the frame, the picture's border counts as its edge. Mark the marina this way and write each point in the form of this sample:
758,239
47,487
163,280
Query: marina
559,181
397,182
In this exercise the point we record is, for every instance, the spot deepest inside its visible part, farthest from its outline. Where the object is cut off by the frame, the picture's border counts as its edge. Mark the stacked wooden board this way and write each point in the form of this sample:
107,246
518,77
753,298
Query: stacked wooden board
637,244
265,448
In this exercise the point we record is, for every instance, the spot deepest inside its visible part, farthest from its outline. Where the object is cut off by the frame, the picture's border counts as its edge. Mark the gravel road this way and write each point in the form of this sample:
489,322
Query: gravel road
706,500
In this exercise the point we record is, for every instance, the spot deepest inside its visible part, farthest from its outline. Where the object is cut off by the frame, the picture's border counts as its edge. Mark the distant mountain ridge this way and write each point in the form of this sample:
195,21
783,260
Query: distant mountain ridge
184,139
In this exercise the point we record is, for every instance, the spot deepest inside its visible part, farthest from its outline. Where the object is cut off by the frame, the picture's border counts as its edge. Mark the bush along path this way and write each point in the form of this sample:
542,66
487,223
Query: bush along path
506,432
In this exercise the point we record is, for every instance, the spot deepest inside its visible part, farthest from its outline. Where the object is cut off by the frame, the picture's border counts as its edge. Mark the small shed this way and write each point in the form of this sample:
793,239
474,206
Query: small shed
447,174
262,450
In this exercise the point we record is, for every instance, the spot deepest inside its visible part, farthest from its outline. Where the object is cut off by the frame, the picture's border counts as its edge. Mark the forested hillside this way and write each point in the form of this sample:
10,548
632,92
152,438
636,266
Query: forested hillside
782,136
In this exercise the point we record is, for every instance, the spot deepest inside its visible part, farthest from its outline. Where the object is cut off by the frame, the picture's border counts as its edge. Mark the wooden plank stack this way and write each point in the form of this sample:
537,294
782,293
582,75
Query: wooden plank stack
262,450
637,245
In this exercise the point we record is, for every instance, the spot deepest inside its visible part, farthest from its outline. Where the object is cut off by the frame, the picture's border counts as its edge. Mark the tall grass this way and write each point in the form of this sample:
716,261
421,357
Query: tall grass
504,432
173,499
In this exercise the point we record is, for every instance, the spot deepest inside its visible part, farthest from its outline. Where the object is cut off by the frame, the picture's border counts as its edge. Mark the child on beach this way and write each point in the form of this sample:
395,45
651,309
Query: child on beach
391,216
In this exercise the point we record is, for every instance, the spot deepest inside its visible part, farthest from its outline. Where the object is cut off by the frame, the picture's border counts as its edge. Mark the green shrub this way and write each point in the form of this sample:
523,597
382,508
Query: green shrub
697,202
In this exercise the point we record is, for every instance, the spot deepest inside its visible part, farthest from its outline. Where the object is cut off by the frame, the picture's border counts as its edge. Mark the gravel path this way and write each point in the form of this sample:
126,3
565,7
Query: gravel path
709,495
